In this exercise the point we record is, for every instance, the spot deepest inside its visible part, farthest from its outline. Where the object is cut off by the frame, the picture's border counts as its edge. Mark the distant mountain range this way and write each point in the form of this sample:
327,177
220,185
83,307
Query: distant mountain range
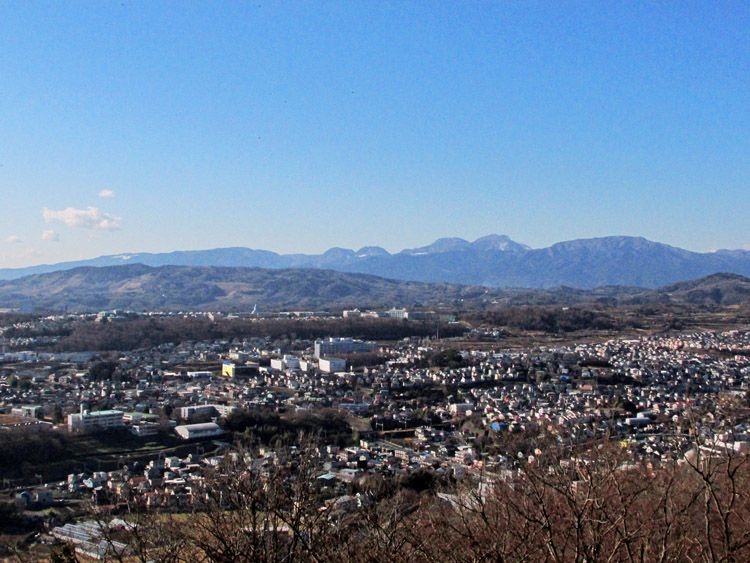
491,261
146,288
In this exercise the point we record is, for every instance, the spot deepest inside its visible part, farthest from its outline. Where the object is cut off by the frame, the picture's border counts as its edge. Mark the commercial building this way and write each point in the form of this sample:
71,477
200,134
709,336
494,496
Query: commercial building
230,369
342,346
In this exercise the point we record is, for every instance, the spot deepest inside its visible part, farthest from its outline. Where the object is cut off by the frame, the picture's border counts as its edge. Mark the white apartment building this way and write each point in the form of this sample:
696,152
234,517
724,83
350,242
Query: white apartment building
331,365
196,411
97,421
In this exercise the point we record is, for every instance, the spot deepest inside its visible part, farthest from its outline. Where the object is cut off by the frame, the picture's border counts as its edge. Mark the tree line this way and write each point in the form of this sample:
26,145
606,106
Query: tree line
552,319
131,334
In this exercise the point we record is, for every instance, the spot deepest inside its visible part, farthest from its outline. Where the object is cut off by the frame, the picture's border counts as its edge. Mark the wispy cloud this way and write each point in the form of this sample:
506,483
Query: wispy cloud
50,235
89,218
13,239
107,194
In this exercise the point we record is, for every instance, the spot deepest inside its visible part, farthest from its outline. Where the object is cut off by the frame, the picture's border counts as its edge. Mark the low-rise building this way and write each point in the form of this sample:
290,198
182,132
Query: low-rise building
97,421
27,411
331,365
194,431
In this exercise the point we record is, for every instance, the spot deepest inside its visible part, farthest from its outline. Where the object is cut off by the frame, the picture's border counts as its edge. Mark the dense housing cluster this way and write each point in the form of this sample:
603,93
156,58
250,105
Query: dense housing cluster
441,415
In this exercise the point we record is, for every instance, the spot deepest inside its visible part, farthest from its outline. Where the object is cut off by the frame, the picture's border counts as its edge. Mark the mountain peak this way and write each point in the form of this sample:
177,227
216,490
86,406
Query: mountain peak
372,252
448,244
499,242
454,244
613,242
337,255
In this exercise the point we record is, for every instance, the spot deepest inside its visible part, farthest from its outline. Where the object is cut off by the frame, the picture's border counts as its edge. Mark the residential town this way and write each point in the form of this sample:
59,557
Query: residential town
411,406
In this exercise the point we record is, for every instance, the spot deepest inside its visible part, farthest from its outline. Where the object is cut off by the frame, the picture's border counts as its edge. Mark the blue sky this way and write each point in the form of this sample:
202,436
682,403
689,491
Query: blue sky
298,126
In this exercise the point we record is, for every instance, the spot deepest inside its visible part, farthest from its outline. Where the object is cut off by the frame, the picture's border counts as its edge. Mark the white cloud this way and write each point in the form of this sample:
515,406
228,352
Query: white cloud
89,218
50,235
13,239
107,194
